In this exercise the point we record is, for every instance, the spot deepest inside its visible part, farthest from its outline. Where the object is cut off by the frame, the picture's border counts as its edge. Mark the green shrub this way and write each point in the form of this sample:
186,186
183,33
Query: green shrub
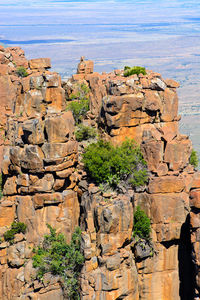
139,178
142,224
194,159
128,71
82,91
80,102
16,227
79,109
106,163
84,132
21,72
59,258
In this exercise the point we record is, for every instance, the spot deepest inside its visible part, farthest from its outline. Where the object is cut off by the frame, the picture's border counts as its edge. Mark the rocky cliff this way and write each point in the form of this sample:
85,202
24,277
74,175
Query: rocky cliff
44,181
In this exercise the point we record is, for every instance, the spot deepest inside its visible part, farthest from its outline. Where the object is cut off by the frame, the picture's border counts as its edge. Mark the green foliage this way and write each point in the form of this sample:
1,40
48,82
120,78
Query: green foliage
194,159
84,133
79,109
21,72
139,178
59,258
80,102
142,224
128,71
106,163
16,227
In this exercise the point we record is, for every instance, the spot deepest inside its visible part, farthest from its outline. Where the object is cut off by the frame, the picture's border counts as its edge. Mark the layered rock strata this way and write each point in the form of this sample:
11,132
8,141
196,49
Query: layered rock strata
145,108
39,180
44,182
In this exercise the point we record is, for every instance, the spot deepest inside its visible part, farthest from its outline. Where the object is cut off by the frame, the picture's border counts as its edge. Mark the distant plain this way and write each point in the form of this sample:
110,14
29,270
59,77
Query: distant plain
163,36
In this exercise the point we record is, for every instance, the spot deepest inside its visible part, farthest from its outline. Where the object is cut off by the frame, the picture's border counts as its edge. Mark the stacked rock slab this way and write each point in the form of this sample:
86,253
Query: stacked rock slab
38,173
144,108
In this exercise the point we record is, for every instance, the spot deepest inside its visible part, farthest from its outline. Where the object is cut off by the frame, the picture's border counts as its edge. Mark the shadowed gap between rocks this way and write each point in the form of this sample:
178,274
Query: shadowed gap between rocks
186,267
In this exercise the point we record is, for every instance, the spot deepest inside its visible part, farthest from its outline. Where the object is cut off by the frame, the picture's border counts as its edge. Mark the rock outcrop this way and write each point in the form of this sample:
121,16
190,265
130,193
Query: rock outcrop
40,155
44,182
145,108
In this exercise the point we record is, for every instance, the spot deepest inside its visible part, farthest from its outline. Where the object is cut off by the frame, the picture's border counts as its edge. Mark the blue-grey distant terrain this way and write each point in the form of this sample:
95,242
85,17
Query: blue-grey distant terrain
160,35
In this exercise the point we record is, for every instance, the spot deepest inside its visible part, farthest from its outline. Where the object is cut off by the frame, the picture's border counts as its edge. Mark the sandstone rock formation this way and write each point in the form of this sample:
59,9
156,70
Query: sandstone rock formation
38,174
44,182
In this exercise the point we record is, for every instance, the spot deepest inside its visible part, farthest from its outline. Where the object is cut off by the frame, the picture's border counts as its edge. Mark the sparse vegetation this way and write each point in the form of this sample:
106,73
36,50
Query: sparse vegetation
84,132
139,178
142,224
106,163
16,227
79,104
194,159
22,72
128,71
79,109
59,258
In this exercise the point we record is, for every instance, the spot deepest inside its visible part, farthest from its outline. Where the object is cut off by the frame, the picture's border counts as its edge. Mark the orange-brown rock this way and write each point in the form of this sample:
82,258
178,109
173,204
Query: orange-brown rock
152,101
32,158
153,153
115,274
170,105
60,128
40,200
177,153
59,150
44,182
10,186
85,66
166,184
195,198
55,97
33,103
40,63
7,215
172,83
33,132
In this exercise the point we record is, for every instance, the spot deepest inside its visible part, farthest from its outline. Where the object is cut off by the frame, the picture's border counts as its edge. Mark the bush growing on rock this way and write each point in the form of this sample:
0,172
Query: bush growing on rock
16,227
59,258
80,103
128,71
84,133
142,224
194,159
106,163
79,109
21,72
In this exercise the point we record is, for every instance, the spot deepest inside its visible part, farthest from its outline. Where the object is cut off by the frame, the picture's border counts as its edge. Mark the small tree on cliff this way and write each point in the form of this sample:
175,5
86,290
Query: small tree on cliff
59,258
194,159
21,72
79,104
106,163
142,224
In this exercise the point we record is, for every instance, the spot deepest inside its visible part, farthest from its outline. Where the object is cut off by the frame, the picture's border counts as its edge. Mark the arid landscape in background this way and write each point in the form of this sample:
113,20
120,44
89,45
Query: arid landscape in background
160,35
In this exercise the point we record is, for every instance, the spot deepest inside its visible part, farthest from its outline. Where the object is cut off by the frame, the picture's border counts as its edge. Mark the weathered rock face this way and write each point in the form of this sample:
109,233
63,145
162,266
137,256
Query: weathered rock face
110,270
44,182
144,108
38,173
